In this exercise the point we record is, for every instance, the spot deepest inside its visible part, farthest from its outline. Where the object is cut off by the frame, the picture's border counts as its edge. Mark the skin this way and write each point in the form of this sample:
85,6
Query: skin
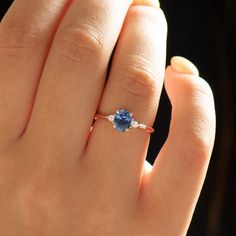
57,177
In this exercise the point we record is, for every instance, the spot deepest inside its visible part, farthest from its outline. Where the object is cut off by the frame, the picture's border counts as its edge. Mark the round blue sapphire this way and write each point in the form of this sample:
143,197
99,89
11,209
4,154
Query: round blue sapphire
122,120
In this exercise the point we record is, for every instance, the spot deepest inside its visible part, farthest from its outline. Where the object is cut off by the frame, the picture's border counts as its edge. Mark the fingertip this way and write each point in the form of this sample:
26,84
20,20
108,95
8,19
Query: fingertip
186,83
182,79
184,66
186,89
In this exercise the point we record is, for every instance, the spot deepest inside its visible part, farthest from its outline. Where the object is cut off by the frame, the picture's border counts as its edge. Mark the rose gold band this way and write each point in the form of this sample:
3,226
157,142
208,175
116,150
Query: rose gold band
140,126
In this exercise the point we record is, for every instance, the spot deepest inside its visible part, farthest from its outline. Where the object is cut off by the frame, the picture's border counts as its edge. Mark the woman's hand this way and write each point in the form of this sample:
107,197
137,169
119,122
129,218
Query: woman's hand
57,177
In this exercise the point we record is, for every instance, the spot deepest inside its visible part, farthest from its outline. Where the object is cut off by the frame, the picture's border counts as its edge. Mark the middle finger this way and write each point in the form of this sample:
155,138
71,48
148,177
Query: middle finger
74,74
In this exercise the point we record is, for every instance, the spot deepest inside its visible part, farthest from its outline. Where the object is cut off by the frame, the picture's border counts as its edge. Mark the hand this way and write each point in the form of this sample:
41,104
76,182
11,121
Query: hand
57,177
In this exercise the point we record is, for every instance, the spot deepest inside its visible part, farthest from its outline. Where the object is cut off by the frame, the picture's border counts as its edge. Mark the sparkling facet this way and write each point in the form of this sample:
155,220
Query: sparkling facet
110,118
122,120
134,124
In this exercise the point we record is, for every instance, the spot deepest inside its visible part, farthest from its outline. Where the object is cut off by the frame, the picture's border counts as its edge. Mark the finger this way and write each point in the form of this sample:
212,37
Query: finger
25,35
135,84
74,75
179,171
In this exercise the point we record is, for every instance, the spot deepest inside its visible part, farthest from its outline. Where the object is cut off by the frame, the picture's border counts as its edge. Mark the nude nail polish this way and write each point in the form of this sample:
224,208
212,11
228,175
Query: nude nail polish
152,3
184,66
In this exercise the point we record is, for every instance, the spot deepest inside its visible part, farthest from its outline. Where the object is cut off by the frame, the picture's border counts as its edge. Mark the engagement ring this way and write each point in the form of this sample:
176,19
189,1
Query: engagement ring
123,120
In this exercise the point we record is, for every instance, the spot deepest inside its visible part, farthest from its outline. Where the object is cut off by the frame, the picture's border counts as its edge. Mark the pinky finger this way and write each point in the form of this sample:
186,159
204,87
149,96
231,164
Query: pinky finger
175,182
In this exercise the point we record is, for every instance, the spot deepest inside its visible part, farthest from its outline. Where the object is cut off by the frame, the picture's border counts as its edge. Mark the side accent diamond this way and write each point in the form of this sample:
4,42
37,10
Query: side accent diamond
110,118
134,124
142,126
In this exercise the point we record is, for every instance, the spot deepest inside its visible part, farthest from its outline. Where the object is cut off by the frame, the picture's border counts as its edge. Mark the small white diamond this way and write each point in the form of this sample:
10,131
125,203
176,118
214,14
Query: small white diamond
134,124
110,118
142,126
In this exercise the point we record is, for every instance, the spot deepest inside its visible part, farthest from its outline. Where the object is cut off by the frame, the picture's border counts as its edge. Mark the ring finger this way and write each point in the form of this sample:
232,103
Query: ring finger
135,84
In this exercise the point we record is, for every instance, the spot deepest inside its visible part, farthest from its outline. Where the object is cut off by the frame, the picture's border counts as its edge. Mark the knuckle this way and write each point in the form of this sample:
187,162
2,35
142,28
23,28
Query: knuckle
199,88
15,42
195,150
204,88
80,45
138,81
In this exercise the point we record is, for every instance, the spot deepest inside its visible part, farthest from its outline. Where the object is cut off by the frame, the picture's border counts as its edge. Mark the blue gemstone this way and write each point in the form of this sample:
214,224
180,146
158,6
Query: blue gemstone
122,120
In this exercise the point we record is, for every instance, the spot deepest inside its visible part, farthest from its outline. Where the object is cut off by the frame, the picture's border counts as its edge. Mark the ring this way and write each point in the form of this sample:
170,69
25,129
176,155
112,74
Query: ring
123,120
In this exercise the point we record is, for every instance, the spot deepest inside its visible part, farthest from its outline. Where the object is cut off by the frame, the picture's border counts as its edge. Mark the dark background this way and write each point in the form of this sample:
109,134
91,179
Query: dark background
204,32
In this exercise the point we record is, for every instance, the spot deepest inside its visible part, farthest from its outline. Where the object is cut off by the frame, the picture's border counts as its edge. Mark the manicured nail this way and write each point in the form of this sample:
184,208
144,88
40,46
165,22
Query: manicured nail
184,66
152,3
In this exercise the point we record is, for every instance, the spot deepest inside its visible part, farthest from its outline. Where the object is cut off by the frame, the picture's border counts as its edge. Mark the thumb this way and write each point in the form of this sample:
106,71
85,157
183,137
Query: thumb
178,173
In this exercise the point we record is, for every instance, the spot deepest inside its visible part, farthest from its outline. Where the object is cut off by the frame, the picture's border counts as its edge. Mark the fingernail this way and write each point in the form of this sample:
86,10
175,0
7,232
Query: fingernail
152,3
183,65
